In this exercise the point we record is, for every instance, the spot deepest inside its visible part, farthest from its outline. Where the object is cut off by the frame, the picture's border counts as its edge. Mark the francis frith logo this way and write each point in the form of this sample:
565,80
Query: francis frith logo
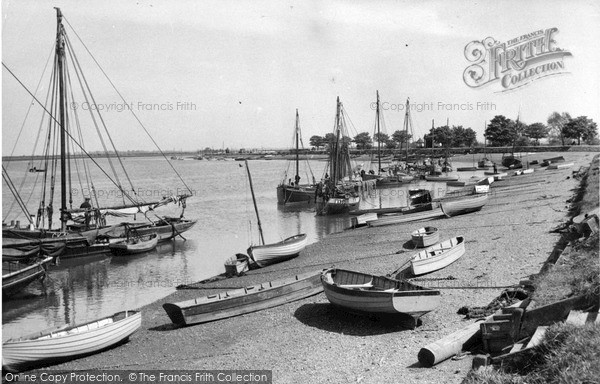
515,63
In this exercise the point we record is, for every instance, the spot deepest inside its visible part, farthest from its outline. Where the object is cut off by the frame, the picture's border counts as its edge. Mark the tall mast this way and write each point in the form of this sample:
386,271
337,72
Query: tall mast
406,122
378,136
60,53
297,148
260,231
335,149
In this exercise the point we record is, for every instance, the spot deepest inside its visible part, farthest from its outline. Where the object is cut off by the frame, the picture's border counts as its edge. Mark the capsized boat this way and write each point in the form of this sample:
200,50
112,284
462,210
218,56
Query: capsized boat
377,295
244,300
438,256
69,342
426,236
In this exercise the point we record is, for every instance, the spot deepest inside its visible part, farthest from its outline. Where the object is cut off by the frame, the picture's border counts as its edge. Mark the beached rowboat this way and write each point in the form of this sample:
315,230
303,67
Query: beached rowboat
244,300
236,265
441,178
426,236
69,342
406,218
438,256
560,166
463,205
268,254
377,295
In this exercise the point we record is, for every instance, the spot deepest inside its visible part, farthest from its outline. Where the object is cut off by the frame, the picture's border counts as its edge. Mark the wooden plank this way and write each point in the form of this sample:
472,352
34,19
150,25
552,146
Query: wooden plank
517,347
537,336
580,317
550,314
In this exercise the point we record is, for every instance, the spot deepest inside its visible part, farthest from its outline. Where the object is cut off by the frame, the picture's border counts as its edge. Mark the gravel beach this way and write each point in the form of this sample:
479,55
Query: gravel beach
309,341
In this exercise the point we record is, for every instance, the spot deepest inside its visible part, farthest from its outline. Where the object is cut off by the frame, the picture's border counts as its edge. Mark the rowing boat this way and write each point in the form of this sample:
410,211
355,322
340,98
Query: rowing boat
17,275
236,265
268,254
426,236
377,295
134,245
407,218
438,256
244,300
560,166
459,206
69,342
441,178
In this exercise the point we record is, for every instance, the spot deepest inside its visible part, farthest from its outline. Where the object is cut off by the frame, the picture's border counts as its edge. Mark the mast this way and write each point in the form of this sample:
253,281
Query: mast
260,231
406,121
335,150
378,136
297,146
60,53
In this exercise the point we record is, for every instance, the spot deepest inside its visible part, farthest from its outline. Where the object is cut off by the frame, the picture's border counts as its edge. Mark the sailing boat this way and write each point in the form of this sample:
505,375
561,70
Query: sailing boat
399,173
371,175
267,254
82,228
292,191
337,193
484,163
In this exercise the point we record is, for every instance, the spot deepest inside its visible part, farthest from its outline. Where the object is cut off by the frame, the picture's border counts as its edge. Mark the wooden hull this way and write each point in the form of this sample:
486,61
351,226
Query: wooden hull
464,205
166,231
466,169
245,300
335,205
484,164
361,220
68,343
378,295
236,265
438,256
295,194
268,254
560,166
426,236
123,248
398,219
557,159
14,281
441,178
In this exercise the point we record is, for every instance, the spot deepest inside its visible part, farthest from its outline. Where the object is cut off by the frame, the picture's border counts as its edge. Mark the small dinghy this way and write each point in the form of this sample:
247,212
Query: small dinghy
426,236
134,245
438,256
236,265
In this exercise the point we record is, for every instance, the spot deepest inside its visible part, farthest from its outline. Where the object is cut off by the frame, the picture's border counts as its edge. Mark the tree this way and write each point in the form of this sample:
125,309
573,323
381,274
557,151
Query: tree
557,122
462,137
317,141
391,144
501,131
401,137
381,137
442,135
363,140
580,128
536,131
329,140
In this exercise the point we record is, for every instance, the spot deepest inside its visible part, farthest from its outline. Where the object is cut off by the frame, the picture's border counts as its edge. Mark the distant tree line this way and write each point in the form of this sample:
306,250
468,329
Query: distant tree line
561,129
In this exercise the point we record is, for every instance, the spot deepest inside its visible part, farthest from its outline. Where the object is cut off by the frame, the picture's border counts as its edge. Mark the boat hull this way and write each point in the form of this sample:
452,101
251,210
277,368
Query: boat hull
268,254
166,231
16,281
377,295
295,194
69,343
426,236
124,248
438,256
335,205
406,218
464,205
245,300
441,178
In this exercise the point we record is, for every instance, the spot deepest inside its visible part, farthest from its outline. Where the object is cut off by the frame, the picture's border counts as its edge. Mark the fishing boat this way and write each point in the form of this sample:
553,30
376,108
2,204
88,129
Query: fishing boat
426,236
134,245
291,191
560,166
244,300
267,254
337,193
16,275
462,205
57,345
557,159
63,155
377,295
236,265
438,256
435,213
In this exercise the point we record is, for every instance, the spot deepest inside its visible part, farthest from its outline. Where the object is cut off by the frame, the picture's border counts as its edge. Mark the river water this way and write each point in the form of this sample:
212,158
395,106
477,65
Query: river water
77,291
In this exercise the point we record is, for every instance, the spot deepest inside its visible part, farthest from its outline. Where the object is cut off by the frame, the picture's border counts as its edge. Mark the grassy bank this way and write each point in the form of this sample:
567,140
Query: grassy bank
568,354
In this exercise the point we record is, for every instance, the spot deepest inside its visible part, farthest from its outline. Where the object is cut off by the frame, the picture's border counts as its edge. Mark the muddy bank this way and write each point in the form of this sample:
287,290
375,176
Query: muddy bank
309,341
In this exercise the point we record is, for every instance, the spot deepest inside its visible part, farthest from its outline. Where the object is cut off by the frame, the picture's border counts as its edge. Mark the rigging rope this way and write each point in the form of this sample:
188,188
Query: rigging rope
132,112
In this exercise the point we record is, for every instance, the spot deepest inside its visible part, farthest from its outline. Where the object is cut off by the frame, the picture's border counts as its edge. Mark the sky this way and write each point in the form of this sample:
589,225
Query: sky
231,74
